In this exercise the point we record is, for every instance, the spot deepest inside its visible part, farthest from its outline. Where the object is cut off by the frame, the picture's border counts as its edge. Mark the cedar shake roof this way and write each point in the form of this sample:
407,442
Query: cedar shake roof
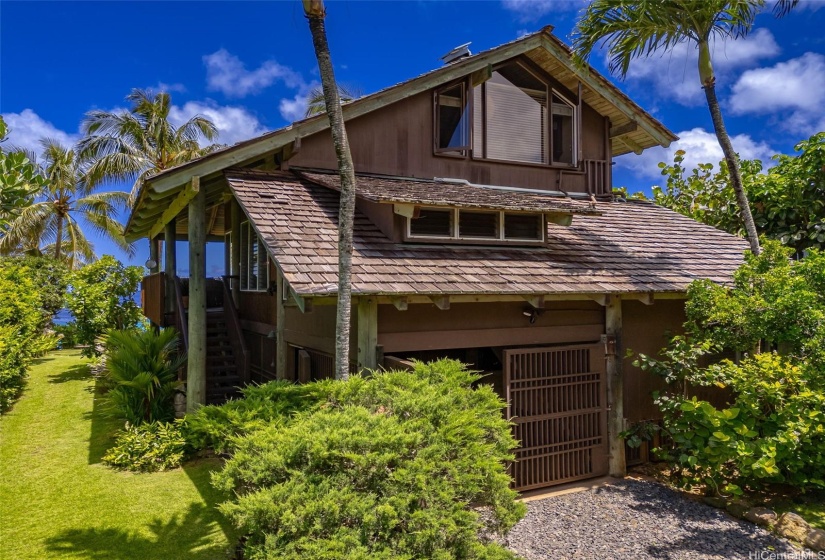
450,193
630,247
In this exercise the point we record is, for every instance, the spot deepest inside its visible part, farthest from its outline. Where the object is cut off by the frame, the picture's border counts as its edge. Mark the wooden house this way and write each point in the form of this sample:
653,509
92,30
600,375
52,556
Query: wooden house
486,230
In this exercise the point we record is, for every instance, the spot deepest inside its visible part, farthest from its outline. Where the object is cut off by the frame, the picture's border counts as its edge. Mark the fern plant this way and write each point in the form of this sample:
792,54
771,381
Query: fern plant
142,373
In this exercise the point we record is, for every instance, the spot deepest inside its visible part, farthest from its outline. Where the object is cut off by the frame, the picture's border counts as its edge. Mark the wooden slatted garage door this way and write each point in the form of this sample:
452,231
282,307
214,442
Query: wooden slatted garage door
557,402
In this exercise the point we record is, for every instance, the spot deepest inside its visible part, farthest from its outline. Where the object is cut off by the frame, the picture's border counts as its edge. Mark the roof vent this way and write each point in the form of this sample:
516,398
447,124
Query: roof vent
461,51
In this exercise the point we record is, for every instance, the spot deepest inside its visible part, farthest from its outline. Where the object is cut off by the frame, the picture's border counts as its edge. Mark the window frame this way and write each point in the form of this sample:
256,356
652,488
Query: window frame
248,236
552,88
466,98
455,228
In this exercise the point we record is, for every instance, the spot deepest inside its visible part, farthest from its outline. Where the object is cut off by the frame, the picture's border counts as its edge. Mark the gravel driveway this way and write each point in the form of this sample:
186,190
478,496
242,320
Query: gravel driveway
635,519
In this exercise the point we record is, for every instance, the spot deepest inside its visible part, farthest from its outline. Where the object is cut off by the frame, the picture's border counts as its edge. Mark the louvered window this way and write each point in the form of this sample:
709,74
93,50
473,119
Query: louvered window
254,271
523,226
475,225
432,222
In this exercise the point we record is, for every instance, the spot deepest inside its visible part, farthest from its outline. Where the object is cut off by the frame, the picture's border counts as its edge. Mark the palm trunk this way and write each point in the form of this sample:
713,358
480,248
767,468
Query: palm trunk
315,14
59,239
733,168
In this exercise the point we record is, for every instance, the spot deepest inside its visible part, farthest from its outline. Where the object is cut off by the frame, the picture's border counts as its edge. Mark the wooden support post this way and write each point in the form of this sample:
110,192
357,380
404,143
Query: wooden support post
280,320
367,333
615,385
170,265
400,303
235,252
196,357
153,255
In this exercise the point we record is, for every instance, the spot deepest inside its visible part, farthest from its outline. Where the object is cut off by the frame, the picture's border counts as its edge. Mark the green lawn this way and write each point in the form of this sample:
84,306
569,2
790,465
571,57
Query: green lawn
57,500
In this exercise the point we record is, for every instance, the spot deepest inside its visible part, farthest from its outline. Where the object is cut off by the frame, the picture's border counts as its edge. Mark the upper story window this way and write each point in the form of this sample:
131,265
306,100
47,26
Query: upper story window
452,117
515,116
254,270
475,225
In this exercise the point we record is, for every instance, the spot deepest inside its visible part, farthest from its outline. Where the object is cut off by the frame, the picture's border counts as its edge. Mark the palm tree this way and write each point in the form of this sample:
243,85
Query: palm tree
316,104
52,224
638,28
315,13
130,145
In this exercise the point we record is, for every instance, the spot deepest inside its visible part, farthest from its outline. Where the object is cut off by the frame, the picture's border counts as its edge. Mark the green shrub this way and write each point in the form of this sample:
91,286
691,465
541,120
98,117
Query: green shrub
772,430
67,334
151,447
21,330
100,298
218,427
141,372
50,279
395,465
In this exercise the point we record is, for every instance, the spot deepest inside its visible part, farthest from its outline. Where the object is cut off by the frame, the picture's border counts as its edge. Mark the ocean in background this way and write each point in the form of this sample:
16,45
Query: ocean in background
63,316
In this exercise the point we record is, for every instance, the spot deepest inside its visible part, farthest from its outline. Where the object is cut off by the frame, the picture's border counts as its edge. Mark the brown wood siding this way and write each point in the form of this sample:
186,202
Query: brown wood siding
473,325
398,140
645,330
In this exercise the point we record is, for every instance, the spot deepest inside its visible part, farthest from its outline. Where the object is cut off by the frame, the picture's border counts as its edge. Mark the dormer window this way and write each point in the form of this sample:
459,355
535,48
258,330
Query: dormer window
516,116
440,224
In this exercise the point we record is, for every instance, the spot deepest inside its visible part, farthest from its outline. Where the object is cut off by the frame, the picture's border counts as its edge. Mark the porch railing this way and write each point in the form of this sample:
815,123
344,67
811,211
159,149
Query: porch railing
181,321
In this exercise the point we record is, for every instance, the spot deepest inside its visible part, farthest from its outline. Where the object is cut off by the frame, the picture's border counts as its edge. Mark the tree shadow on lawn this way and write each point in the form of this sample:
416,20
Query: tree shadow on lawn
78,372
183,536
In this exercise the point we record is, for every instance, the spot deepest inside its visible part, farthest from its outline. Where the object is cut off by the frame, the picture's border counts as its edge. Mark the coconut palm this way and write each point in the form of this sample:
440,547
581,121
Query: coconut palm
130,145
316,104
637,28
65,208
315,13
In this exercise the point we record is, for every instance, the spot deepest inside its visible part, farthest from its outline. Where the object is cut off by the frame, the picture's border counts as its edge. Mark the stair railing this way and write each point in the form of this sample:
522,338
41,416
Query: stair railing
181,320
233,324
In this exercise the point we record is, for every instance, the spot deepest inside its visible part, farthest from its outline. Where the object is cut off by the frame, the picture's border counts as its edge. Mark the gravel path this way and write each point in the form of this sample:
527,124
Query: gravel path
635,519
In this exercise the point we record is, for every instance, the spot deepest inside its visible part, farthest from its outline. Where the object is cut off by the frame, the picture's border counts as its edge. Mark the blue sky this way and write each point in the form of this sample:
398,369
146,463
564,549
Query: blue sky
249,65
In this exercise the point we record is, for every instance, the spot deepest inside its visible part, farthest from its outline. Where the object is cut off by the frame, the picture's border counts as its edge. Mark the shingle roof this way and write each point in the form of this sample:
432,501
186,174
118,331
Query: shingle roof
631,247
448,193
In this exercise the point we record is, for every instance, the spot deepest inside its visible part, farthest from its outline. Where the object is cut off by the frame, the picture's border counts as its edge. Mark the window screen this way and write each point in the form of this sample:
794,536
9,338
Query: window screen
522,226
478,224
452,119
511,124
432,223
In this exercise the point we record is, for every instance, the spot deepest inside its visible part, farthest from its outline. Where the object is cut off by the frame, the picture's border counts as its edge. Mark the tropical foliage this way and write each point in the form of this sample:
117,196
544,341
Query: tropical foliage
788,201
100,298
65,208
50,279
20,181
149,447
141,372
394,465
316,104
772,429
634,29
130,145
21,329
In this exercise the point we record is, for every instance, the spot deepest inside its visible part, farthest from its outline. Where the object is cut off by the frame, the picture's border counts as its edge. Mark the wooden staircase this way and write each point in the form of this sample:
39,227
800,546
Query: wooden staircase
227,360
222,372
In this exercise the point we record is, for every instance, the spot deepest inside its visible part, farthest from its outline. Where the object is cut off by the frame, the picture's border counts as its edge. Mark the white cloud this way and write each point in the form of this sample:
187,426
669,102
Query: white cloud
26,128
700,146
675,74
234,123
793,91
531,10
170,88
226,73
